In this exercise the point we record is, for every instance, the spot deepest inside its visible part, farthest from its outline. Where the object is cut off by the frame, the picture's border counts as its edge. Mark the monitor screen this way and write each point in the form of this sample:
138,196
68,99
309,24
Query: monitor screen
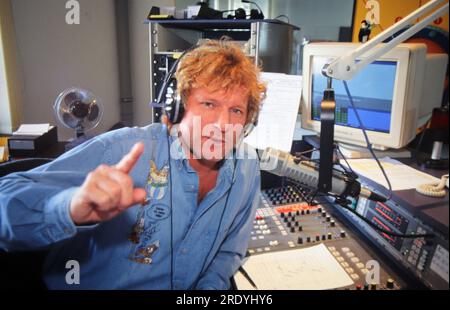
372,91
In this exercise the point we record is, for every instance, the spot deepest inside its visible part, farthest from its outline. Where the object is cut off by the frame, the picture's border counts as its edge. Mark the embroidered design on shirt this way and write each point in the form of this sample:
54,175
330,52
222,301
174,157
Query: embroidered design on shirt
149,216
157,181
144,254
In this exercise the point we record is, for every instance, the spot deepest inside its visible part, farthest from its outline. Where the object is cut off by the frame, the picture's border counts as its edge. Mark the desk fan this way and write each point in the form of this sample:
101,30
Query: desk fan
78,109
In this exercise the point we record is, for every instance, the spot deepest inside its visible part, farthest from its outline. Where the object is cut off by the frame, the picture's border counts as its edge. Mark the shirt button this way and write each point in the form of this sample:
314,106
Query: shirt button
184,251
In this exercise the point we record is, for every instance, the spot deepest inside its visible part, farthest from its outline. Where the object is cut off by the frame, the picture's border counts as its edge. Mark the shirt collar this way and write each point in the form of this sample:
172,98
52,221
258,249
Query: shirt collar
178,154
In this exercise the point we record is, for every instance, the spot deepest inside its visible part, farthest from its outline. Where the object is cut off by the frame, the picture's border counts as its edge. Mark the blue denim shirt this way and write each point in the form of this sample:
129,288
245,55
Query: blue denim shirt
172,242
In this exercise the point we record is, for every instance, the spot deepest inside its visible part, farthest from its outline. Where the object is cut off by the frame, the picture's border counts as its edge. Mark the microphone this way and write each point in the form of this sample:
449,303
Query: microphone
307,173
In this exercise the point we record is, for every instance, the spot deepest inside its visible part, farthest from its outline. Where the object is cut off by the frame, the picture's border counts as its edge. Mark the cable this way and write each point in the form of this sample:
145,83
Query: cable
369,146
434,189
171,211
282,15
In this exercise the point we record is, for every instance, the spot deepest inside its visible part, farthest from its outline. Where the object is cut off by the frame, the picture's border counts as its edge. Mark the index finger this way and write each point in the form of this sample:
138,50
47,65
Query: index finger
129,160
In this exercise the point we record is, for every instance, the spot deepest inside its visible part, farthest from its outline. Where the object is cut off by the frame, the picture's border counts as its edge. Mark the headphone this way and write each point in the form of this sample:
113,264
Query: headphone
170,100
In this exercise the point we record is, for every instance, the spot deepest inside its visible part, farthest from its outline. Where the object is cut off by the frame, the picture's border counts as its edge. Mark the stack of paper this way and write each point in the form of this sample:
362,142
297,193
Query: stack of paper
32,129
312,268
277,118
400,176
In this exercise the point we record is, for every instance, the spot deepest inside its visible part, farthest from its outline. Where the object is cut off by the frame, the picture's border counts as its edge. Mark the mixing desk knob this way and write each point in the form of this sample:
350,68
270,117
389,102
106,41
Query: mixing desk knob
319,210
343,234
324,214
308,239
292,229
328,218
317,238
332,223
300,228
324,237
300,240
329,236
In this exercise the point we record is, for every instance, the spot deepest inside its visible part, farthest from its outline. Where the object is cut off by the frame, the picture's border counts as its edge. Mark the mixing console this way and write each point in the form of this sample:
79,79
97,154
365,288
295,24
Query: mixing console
285,221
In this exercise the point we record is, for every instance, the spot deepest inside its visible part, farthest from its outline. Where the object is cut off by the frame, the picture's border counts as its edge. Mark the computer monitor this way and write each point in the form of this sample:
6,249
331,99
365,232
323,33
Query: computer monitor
386,93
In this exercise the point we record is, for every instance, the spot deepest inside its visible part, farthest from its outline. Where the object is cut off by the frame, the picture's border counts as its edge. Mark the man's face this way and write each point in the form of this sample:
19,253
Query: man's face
213,121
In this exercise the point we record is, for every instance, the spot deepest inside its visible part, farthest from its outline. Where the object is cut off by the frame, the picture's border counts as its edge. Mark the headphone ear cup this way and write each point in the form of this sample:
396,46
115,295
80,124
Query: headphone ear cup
240,14
173,107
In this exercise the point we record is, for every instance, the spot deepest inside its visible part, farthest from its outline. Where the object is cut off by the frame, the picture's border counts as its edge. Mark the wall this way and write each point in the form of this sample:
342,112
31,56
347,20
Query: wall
10,81
54,55
318,19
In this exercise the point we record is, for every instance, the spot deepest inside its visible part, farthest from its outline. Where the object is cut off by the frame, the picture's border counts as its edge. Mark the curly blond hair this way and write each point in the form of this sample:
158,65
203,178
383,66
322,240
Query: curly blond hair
221,65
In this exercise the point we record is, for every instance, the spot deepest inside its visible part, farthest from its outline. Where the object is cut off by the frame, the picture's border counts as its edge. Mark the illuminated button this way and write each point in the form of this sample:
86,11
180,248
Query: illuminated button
273,243
354,259
344,264
345,250
331,248
360,265
349,270
364,270
340,259
354,276
350,254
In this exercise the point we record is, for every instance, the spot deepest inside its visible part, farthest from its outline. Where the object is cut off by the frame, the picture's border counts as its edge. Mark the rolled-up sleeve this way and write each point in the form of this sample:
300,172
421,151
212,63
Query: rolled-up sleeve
34,205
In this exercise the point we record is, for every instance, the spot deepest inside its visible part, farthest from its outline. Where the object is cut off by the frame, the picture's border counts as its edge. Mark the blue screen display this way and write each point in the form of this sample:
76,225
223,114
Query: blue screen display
372,91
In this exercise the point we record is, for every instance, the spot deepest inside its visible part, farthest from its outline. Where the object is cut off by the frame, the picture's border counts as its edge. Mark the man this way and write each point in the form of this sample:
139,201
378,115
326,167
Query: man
150,208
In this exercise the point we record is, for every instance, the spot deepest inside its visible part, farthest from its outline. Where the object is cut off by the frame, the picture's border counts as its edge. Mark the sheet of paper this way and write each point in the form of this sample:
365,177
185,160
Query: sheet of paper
276,121
32,129
312,268
400,175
